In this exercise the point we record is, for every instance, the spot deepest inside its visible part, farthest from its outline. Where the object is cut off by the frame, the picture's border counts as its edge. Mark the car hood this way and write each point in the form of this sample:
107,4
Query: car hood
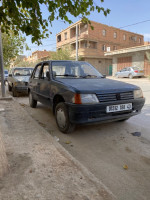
22,78
98,85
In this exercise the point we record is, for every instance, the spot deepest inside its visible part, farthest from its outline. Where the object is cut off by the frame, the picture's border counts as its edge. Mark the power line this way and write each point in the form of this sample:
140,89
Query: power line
135,23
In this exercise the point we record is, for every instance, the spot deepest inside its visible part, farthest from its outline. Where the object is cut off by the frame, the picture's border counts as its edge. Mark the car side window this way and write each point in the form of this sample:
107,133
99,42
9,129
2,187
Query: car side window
37,72
45,72
129,69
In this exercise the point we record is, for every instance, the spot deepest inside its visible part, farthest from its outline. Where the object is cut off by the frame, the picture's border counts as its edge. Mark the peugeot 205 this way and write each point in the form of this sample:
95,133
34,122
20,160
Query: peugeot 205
78,94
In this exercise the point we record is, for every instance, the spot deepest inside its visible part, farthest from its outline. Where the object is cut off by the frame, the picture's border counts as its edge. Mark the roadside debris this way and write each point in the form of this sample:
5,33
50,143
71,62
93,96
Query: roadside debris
22,104
42,124
56,138
138,134
125,167
68,142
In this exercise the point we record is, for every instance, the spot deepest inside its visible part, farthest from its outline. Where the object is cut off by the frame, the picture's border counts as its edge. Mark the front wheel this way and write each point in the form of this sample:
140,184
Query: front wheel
130,76
14,92
62,119
32,102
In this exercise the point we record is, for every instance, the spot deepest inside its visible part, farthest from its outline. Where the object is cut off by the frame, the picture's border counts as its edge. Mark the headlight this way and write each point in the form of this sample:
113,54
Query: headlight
138,94
85,99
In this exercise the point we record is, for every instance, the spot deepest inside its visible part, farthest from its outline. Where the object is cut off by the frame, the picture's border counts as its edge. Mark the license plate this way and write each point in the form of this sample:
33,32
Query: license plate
141,71
120,107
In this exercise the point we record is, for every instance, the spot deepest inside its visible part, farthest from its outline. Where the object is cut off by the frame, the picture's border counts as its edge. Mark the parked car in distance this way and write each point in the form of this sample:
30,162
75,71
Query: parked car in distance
130,72
5,75
18,79
78,94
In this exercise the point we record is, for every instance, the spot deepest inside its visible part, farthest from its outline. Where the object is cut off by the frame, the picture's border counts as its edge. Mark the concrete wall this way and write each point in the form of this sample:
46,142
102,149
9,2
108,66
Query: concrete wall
137,60
102,65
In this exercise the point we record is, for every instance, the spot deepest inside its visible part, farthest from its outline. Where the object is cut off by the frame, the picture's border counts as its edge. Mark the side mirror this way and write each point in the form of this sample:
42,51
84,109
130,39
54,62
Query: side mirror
10,75
104,75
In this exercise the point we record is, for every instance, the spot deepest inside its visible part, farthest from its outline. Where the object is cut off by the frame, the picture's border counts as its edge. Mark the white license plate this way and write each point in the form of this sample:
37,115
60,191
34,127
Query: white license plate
120,107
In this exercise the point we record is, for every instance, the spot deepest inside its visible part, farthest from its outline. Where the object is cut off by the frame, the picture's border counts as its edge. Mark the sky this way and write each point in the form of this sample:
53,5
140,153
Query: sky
123,13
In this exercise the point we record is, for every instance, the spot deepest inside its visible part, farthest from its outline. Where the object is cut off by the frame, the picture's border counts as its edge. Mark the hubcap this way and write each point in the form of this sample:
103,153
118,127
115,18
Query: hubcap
61,119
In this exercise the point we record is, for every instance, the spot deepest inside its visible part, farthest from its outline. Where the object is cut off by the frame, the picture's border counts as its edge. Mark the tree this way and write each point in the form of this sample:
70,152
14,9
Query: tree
62,54
13,45
26,15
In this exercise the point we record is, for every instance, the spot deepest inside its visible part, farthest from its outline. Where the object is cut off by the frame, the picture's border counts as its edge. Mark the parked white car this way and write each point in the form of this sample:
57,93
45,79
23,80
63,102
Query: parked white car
130,72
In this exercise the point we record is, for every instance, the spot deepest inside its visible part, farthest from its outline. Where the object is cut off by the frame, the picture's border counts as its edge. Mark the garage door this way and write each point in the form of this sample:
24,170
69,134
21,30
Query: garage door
124,62
146,67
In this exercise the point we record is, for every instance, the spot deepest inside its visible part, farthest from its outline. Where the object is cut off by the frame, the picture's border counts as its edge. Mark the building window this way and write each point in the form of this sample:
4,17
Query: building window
103,47
115,35
133,38
65,35
140,40
104,32
58,38
114,48
124,37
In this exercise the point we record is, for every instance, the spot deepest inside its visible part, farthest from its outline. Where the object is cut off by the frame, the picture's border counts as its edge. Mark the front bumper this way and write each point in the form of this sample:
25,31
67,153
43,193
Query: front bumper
21,88
86,114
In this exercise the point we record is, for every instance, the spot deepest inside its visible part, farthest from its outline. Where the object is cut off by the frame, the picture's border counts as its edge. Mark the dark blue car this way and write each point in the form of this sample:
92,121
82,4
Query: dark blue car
79,94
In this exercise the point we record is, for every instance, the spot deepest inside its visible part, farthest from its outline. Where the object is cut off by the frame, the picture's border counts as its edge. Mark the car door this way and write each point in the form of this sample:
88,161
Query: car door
34,81
128,71
123,73
45,84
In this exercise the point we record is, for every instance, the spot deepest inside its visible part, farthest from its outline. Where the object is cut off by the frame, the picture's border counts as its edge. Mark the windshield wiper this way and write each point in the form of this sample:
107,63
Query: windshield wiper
71,75
89,75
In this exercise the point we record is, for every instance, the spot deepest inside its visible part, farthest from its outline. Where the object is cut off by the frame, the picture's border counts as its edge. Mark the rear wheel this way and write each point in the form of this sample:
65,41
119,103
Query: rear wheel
32,102
130,76
62,118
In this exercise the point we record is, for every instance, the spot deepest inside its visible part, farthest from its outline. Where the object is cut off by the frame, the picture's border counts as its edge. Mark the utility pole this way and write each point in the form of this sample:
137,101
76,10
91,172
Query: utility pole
2,66
76,42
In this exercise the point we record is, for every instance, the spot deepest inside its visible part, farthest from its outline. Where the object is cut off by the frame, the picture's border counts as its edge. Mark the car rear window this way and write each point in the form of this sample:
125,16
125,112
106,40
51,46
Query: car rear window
135,68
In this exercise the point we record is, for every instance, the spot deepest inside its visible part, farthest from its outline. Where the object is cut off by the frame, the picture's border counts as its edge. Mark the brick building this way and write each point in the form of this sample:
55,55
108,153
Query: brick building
138,56
38,55
93,43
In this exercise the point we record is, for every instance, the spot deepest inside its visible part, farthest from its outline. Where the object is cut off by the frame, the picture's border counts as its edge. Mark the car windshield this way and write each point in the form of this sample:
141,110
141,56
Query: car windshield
6,72
22,72
135,68
74,69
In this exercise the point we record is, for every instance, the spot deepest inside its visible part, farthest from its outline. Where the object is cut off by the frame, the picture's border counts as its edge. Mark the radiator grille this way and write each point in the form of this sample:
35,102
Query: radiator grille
115,96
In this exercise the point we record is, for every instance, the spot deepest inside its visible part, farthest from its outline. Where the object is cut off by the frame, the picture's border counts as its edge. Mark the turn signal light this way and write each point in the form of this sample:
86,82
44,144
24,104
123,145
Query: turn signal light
77,99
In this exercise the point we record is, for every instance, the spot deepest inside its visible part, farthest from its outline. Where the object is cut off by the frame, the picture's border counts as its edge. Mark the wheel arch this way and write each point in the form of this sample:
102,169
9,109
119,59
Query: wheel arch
57,99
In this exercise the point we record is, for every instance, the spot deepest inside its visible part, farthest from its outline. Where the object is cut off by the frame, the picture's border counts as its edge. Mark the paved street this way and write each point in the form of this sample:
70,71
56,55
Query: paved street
105,149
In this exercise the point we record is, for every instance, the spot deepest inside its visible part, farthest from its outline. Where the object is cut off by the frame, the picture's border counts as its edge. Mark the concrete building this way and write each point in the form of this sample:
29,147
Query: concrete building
38,55
93,43
135,56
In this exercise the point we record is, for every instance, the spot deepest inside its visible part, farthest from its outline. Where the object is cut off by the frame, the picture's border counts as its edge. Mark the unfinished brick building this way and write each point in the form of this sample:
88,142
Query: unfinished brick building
93,43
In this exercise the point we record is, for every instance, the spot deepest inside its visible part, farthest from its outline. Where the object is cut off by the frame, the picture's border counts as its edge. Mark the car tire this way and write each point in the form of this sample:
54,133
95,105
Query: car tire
130,76
32,102
14,92
62,119
9,88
